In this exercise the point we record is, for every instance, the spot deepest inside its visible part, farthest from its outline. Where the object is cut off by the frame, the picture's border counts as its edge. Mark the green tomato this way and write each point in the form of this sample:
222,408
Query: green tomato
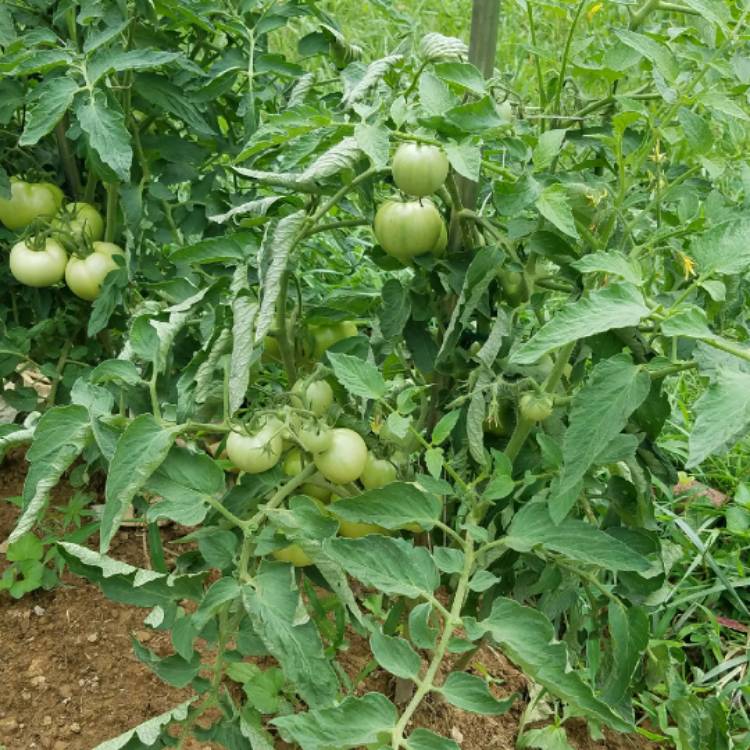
535,407
258,452
293,465
441,245
318,397
419,169
294,462
405,230
325,336
293,554
315,437
514,286
38,268
84,276
29,201
378,472
355,530
408,443
345,459
79,219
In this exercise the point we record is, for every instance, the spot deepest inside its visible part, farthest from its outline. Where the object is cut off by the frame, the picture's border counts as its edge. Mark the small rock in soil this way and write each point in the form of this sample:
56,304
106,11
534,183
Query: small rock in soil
8,726
36,667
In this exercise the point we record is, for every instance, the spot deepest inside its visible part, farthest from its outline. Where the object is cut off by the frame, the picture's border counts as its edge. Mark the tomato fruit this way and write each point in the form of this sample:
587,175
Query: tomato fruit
378,472
407,443
314,437
38,268
293,554
345,459
84,276
535,407
514,286
325,336
79,219
354,530
419,169
29,201
405,230
258,452
442,243
317,398
293,465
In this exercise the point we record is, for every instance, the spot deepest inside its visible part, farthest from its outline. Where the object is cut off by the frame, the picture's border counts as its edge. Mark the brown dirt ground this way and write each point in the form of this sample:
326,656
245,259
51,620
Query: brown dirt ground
69,679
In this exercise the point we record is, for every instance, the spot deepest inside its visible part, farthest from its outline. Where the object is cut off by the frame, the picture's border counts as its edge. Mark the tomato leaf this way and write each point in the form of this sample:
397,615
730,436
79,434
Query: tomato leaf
355,722
394,566
575,539
392,507
529,640
107,135
59,437
150,730
273,604
139,452
395,655
615,306
600,410
359,377
471,693
50,101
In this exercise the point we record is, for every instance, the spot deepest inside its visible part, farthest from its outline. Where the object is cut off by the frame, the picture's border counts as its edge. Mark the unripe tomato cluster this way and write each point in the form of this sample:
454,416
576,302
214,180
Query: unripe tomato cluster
407,229
43,261
339,454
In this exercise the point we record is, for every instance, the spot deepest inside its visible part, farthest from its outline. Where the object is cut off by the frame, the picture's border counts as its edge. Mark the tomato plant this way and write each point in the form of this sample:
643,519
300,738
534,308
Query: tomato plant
583,248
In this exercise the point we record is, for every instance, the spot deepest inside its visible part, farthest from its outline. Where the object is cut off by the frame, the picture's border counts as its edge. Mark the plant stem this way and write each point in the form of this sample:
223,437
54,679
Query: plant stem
69,163
538,62
566,53
155,408
59,367
640,16
339,194
336,225
112,198
426,683
282,334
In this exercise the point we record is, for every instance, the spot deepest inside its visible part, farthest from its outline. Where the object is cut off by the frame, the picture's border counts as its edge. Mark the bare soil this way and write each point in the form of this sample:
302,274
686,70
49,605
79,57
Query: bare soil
69,679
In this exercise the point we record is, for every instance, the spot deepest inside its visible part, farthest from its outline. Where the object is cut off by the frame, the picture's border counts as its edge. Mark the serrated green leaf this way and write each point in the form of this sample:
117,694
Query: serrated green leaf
528,638
141,449
471,693
395,655
353,723
614,306
359,377
395,566
392,507
50,101
274,606
575,539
